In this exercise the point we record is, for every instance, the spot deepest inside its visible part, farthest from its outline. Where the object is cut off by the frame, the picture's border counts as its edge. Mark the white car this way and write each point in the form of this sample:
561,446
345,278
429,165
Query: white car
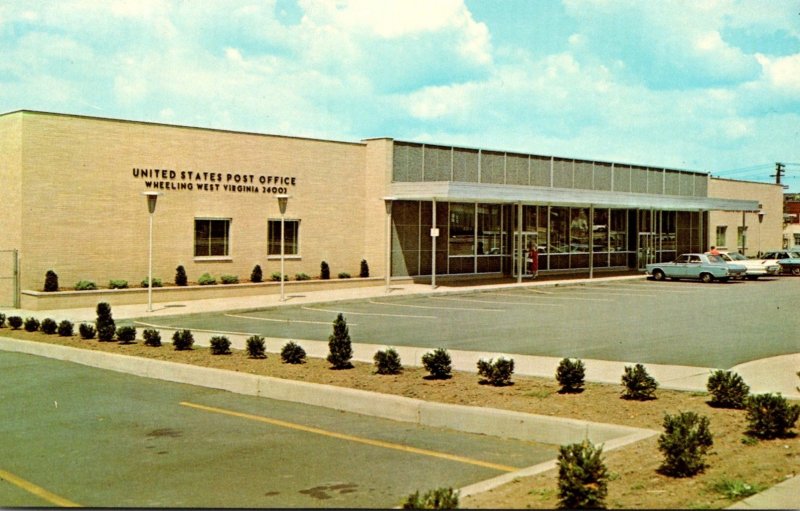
755,267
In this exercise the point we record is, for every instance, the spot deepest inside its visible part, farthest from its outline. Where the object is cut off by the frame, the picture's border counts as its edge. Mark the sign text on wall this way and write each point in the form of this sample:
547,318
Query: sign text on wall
233,182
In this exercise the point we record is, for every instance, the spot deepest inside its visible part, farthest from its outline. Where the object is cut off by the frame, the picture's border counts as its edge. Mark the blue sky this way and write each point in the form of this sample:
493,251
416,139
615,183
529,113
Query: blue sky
704,85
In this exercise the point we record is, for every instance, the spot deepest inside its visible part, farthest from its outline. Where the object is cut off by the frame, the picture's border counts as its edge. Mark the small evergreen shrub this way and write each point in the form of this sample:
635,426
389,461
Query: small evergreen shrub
118,284
15,322
276,277
727,389
220,345
31,324
302,276
684,443
638,384
126,334
229,279
180,276
582,476
439,498
182,340
105,325
496,373
85,285
2,320
324,271
49,326
206,280
438,364
152,337
256,348
340,349
364,271
256,275
65,328
50,281
387,362
570,375
156,282
344,275
293,353
770,416
87,331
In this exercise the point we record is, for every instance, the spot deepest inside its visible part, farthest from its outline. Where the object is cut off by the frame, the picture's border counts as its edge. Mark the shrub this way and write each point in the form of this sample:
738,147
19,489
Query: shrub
256,348
256,275
293,353
65,328
582,476
684,443
118,284
31,324
364,272
344,275
638,384
437,363
49,326
180,276
126,334
182,340
86,330
2,320
770,416
85,285
570,375
14,322
229,279
387,362
220,345
727,389
276,277
302,276
104,323
439,498
497,373
50,281
340,349
206,280
151,337
156,282
324,271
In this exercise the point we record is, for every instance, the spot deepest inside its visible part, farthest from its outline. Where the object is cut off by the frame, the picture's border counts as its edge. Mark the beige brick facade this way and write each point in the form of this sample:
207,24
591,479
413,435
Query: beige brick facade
761,236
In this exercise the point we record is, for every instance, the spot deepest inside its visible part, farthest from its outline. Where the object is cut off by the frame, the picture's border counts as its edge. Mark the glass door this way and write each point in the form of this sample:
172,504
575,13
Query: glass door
529,242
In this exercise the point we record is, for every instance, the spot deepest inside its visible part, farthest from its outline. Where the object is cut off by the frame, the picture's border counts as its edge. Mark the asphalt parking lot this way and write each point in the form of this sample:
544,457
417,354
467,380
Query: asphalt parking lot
75,435
680,323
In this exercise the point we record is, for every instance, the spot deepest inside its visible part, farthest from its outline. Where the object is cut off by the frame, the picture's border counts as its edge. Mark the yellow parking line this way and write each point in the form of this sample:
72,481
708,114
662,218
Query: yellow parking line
36,490
351,438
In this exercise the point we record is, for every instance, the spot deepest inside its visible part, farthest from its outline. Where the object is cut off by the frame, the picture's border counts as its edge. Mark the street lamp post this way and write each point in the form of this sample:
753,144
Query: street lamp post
760,220
283,200
152,197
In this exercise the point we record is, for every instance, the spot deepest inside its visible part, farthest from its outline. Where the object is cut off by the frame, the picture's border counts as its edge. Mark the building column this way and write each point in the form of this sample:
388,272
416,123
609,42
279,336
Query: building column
434,235
520,248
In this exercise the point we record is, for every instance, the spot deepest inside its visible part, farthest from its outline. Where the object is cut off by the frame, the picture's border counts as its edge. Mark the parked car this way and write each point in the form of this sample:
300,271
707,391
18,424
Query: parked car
755,267
705,267
789,261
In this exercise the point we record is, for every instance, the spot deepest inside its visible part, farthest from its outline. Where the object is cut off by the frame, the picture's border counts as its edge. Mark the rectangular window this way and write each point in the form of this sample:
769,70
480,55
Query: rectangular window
741,237
211,237
722,231
462,229
291,240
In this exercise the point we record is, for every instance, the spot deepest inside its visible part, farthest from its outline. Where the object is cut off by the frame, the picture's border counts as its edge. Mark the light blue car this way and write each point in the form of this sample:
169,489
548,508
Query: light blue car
705,267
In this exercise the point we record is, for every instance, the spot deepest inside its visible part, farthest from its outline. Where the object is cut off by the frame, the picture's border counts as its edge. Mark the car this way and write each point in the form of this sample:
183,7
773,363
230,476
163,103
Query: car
789,261
706,267
755,267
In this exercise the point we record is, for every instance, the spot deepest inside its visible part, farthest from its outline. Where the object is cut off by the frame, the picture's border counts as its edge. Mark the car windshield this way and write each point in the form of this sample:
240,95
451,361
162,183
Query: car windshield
715,259
796,255
736,256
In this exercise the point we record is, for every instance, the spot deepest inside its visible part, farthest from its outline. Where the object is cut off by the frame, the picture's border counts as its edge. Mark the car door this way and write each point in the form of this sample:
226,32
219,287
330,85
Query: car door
678,268
693,267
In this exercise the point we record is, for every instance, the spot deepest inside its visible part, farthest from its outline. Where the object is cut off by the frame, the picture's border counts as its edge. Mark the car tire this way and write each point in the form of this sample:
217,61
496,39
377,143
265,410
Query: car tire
707,278
658,275
752,277
796,270
724,279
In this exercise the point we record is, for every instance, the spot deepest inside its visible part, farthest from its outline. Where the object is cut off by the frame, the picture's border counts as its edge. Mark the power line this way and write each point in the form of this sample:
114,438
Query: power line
752,168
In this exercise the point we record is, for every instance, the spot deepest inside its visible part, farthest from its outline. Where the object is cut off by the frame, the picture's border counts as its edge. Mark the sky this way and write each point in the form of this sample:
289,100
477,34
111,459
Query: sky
711,86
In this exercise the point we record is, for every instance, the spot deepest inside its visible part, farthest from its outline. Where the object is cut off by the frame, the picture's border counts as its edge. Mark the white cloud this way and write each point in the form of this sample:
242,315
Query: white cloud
782,73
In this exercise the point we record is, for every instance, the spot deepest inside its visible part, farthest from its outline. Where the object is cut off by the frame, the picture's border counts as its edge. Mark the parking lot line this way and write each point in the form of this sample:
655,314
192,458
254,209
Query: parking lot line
351,313
351,438
494,301
577,298
435,307
280,320
36,490
597,291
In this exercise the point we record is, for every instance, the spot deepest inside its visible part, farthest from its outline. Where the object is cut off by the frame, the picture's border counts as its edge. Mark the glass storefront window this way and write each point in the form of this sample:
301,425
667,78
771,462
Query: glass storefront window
559,230
618,234
669,235
579,230
542,229
462,229
489,229
600,231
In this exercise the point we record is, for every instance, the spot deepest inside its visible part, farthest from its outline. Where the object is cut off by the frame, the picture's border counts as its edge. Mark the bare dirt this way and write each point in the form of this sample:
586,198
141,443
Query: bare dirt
635,480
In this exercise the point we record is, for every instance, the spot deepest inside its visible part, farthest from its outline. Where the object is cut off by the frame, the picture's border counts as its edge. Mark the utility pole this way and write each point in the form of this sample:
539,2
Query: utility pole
779,169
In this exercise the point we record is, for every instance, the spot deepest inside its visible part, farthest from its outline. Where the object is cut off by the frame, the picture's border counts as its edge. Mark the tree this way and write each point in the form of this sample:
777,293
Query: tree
339,345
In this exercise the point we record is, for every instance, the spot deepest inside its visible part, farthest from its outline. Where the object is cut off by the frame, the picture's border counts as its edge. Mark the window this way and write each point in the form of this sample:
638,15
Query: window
211,237
741,237
291,240
462,229
722,231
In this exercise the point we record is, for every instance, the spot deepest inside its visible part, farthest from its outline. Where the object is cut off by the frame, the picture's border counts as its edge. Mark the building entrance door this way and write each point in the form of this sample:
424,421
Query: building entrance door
9,278
529,240
647,249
